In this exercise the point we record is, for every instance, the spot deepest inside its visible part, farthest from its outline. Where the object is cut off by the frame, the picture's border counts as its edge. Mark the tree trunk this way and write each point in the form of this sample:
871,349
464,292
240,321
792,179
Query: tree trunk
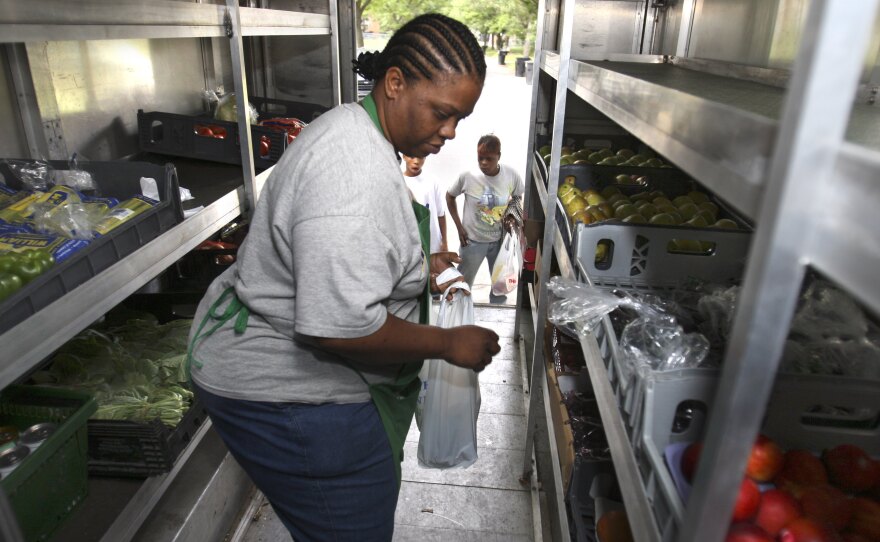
527,41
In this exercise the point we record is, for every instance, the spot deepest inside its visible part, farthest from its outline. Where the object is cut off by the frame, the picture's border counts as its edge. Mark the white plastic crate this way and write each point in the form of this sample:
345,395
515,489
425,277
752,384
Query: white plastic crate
640,254
789,422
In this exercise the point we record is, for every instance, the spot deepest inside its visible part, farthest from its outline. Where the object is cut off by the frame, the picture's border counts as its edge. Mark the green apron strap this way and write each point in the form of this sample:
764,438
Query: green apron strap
369,104
423,217
235,308
396,401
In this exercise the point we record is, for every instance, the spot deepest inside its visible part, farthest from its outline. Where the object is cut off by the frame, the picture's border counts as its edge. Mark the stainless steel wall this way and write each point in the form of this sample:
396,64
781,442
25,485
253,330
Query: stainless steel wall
94,88
764,33
605,27
299,68
12,141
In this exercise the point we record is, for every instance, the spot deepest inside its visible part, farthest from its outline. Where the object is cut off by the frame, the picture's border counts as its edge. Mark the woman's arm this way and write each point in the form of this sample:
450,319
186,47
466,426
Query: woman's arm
453,212
399,341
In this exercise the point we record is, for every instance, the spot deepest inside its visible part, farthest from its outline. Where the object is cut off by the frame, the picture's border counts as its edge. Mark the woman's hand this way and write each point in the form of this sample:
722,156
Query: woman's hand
463,238
440,261
471,347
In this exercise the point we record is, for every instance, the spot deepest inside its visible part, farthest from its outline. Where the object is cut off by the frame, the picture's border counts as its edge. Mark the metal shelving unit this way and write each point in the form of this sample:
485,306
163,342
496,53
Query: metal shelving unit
787,148
30,342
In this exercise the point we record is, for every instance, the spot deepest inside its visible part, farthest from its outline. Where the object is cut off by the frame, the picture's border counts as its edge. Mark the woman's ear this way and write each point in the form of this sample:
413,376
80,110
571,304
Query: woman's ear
394,82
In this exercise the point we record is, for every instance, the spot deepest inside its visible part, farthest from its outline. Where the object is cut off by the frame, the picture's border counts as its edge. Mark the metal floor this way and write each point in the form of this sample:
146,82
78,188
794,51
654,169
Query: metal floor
484,503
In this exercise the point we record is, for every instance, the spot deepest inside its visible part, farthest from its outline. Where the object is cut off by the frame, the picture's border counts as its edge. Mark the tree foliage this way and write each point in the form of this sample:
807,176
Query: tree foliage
498,18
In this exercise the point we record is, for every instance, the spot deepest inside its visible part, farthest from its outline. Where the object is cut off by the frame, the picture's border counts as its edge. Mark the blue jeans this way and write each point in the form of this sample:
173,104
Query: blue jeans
326,469
472,257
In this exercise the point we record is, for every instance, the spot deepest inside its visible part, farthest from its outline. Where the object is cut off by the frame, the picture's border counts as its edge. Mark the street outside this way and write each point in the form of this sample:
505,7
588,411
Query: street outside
503,109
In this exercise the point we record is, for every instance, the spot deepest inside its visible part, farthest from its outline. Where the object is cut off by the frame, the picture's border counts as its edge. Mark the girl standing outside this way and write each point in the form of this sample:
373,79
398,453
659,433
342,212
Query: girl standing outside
306,351
487,194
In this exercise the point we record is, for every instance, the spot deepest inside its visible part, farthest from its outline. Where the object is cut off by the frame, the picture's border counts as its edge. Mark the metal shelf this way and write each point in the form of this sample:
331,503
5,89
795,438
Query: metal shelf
641,517
45,331
658,102
844,245
632,489
55,20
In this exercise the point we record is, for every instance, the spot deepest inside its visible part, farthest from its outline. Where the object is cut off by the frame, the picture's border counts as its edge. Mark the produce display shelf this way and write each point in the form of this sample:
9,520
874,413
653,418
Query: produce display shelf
559,248
556,458
657,103
38,336
641,517
53,20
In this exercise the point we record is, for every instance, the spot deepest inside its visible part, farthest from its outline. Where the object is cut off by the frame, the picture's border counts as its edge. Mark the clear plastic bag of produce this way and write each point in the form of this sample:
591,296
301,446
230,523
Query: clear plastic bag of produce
74,220
659,343
75,177
227,109
34,175
583,306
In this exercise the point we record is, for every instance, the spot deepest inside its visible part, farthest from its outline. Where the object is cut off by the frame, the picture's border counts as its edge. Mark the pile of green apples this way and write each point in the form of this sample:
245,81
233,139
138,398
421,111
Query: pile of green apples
603,157
693,210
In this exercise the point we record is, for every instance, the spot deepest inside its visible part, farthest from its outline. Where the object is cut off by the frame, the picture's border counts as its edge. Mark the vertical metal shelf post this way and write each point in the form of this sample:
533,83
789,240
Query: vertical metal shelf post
538,370
236,47
815,117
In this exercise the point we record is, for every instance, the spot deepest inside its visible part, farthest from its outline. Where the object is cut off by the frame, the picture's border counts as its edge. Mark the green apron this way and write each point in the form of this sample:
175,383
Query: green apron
395,401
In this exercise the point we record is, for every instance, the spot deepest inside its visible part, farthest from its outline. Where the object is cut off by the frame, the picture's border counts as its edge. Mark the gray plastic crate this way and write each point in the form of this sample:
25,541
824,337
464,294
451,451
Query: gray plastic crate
118,179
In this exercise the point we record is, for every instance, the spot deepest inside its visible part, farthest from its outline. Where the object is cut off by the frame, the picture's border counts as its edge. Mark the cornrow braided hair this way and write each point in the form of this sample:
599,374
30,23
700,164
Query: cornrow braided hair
424,47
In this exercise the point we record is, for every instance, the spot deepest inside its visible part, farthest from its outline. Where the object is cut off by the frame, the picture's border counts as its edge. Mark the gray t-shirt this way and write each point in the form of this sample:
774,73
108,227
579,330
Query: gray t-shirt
485,199
333,248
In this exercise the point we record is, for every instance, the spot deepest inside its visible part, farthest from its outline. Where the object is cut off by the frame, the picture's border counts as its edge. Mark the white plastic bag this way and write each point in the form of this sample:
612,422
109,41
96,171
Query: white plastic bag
449,401
505,272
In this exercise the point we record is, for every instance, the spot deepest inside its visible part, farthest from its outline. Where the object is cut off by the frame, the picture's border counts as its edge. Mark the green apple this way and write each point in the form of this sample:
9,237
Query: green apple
725,223
635,219
544,150
697,222
625,210
609,191
681,200
664,219
707,217
625,154
688,210
697,196
662,201
648,210
708,206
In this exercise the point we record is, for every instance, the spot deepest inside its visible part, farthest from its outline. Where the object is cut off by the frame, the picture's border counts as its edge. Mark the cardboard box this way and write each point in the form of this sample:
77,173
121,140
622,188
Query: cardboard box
534,231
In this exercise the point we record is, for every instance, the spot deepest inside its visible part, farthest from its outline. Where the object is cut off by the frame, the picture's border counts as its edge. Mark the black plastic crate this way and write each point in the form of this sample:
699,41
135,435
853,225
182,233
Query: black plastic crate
118,179
138,450
193,136
268,108
188,136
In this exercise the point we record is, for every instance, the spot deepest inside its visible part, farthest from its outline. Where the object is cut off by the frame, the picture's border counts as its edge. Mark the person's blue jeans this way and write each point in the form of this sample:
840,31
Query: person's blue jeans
326,469
472,257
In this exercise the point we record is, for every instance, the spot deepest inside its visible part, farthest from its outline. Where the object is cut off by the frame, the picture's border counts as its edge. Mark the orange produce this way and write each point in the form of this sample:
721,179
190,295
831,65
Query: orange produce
765,461
827,504
866,518
850,468
613,526
800,469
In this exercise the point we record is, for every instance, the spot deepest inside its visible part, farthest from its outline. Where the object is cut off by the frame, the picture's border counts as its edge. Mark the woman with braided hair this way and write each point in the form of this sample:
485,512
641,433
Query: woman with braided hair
306,351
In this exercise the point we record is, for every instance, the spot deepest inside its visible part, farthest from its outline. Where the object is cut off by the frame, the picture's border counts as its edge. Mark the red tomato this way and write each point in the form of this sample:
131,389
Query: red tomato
264,146
204,131
219,132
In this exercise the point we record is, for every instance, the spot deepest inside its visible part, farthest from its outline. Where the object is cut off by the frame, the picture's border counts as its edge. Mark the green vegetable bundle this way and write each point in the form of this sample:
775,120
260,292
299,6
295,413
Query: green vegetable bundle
134,369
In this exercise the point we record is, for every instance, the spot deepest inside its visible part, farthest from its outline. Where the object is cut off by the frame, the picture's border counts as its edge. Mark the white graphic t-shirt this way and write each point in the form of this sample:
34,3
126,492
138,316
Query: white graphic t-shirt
485,200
